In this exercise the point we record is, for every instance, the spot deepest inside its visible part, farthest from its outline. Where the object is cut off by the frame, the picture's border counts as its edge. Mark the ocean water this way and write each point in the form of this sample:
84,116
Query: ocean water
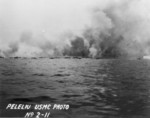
103,88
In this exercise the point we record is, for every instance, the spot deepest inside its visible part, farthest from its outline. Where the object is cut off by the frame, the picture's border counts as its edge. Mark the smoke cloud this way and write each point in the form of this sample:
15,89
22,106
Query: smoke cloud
97,29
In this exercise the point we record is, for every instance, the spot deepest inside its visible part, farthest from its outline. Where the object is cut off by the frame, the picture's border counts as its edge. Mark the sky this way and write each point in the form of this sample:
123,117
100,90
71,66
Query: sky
42,16
49,18
35,23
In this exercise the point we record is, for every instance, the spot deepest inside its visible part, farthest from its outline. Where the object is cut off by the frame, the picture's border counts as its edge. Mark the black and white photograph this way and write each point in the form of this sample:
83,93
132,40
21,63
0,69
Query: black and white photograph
74,58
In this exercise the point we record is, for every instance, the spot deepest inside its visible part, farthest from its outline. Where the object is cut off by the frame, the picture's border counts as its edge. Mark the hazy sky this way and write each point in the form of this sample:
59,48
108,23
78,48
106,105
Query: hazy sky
42,18
47,20
46,16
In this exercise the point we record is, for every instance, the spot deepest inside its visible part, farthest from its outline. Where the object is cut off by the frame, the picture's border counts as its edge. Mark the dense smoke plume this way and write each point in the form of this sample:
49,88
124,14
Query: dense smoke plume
120,30
110,29
77,48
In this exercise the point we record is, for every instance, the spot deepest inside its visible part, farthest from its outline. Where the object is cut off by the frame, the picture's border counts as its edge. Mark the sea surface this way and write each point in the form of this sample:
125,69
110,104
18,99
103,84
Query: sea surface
102,88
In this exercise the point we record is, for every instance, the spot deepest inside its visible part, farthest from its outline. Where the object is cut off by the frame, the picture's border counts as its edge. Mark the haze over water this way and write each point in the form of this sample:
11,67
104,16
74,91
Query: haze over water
104,88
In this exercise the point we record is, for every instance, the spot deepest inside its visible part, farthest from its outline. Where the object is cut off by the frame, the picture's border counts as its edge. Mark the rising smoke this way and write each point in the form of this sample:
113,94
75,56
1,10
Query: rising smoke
117,29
